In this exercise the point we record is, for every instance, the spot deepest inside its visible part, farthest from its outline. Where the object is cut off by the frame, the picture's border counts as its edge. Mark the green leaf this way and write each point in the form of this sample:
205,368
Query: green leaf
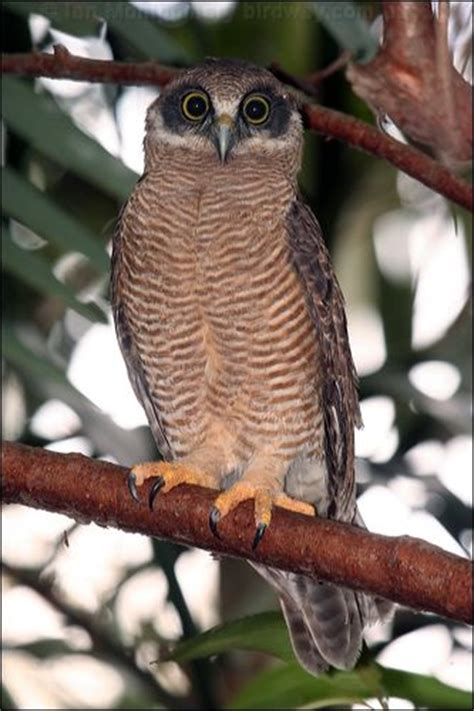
44,648
265,632
7,701
424,690
139,31
39,121
33,208
39,367
74,23
32,359
291,687
34,270
288,687
131,24
344,21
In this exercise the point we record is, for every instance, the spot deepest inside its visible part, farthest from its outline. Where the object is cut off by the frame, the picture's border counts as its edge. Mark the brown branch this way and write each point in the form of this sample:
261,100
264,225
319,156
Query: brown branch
315,78
309,84
412,80
405,570
63,65
408,159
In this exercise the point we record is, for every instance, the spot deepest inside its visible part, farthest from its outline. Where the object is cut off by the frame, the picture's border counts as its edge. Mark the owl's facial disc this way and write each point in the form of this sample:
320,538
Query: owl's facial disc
200,116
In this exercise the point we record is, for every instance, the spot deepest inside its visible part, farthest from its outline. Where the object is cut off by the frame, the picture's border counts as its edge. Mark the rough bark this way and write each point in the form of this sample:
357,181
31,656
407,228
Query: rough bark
406,570
412,79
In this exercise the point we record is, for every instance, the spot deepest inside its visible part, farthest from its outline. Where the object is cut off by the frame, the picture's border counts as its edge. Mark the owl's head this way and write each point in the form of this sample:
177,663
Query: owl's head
224,108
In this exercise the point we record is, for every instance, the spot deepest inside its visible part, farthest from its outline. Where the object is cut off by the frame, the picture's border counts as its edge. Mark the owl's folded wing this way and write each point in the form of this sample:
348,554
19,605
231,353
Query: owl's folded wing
339,396
136,372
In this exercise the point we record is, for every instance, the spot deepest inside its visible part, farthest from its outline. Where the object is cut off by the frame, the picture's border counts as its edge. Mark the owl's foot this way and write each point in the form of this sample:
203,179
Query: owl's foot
167,475
264,500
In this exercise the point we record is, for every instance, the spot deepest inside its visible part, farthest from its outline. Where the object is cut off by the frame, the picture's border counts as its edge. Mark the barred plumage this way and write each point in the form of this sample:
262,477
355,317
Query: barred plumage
232,325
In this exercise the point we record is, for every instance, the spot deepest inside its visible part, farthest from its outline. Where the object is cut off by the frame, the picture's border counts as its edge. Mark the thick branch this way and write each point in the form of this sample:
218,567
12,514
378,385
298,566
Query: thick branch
405,570
412,79
63,65
408,159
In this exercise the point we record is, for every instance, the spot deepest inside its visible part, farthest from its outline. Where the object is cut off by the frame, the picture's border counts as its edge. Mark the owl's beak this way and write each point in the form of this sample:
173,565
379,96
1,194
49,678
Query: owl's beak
224,135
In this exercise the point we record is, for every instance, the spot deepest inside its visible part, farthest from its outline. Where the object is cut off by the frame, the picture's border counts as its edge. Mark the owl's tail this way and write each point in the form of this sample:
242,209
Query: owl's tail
325,622
326,628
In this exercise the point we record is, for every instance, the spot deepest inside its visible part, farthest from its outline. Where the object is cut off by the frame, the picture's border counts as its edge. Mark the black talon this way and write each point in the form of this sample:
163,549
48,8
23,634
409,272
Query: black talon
154,491
214,518
261,528
132,487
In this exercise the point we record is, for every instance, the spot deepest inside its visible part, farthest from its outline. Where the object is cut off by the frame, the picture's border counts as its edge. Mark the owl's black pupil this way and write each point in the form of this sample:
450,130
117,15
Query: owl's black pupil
256,110
196,106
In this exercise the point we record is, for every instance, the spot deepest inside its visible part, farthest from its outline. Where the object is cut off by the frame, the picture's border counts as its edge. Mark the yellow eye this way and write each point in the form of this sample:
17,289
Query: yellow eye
195,106
256,109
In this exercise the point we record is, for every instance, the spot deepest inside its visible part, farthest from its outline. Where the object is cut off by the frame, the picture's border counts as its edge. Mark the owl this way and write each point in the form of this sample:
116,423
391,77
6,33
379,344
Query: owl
232,326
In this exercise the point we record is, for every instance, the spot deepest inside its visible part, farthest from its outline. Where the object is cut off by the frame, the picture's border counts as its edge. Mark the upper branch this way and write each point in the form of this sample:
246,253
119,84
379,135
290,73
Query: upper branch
405,570
412,79
63,65
409,160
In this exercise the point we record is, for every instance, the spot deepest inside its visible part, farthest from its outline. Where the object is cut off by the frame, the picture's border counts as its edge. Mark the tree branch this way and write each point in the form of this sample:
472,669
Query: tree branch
405,570
63,65
412,79
310,84
408,159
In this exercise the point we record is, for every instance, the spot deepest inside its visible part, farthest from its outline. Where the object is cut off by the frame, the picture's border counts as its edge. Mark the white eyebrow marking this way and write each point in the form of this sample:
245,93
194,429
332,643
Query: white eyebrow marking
226,106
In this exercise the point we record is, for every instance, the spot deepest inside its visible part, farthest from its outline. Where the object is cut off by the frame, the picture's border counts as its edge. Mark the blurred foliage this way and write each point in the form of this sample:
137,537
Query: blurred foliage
62,191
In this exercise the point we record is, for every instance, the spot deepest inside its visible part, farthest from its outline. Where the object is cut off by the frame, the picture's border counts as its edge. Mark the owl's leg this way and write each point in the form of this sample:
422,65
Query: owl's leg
205,466
263,482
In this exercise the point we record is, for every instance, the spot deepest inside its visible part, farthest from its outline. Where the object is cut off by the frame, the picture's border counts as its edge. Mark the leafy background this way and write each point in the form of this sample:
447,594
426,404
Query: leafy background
104,619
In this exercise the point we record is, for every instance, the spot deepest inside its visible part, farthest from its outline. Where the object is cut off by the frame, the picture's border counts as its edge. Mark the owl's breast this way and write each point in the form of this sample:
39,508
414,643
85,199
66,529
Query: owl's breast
218,311
264,364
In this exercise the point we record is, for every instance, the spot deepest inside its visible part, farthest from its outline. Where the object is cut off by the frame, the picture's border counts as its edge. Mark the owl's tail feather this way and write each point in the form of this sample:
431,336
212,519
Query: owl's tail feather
332,621
303,643
325,622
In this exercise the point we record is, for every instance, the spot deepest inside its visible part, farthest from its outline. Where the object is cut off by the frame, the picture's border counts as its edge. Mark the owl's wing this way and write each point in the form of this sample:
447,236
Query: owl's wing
339,396
136,372
325,621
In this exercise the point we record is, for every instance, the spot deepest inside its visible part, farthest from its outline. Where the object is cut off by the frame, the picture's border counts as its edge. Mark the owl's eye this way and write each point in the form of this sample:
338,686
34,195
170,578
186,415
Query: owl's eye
195,106
256,109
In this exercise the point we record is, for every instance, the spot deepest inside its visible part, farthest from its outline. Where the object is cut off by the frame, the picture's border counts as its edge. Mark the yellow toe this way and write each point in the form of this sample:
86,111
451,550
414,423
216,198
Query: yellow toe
238,492
286,502
172,473
264,500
